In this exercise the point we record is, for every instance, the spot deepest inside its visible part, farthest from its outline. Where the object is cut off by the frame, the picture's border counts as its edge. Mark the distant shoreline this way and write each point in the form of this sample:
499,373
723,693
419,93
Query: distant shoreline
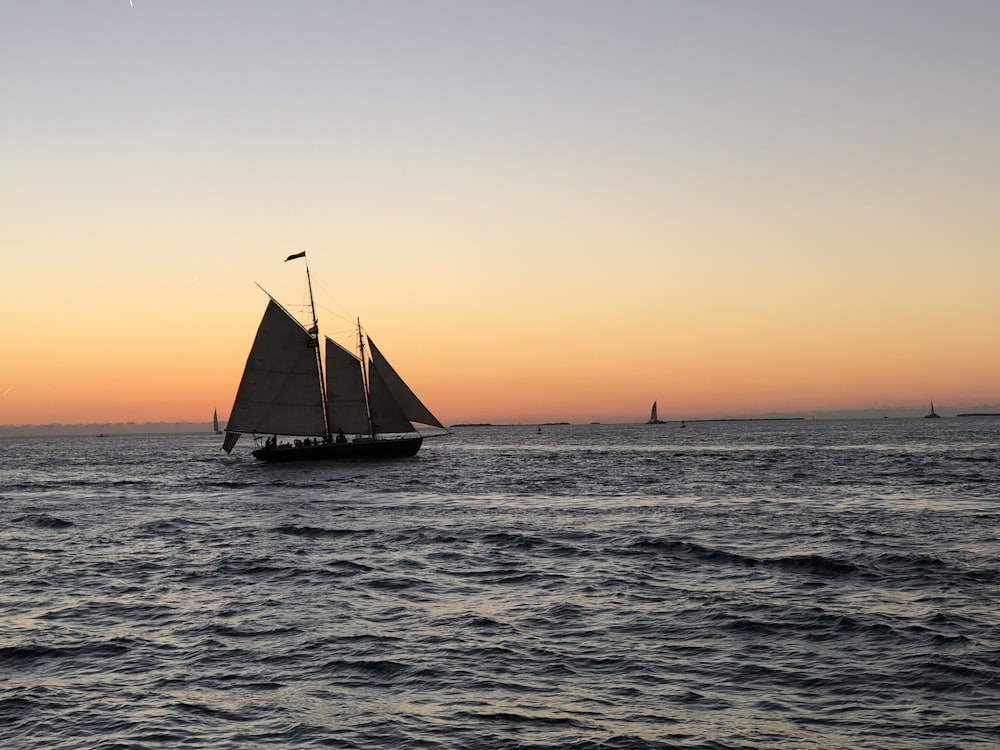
669,421
106,429
172,428
746,419
514,424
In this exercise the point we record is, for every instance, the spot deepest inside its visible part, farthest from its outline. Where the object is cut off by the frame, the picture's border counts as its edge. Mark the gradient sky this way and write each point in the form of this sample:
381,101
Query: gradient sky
541,210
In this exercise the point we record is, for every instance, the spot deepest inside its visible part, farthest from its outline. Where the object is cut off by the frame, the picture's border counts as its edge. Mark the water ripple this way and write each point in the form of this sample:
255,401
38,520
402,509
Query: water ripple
734,586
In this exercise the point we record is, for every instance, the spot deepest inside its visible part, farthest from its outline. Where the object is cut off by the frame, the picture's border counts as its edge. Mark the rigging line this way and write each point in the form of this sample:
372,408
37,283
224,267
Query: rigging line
342,311
347,321
339,312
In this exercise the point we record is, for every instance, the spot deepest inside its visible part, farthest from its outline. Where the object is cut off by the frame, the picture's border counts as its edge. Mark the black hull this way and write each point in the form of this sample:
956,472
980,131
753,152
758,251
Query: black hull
388,448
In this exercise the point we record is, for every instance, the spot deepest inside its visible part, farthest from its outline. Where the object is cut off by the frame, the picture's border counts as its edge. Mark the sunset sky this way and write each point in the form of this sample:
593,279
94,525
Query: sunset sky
545,210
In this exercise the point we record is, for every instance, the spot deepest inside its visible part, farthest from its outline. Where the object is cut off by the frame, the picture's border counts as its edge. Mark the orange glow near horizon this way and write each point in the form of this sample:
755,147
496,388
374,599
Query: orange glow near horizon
498,381
574,353
593,346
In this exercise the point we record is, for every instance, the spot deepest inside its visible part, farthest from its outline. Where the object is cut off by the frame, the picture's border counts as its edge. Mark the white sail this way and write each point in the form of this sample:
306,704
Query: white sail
652,414
280,390
412,408
345,391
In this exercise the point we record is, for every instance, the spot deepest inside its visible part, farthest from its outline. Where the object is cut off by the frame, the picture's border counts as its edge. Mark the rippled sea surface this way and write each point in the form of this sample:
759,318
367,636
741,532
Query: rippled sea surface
813,584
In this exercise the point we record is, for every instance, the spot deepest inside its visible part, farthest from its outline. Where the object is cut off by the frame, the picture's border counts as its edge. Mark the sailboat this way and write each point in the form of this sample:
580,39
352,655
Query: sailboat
653,419
933,414
215,422
361,409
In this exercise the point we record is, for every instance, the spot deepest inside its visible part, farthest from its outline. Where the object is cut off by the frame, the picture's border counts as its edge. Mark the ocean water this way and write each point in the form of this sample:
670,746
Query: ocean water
810,584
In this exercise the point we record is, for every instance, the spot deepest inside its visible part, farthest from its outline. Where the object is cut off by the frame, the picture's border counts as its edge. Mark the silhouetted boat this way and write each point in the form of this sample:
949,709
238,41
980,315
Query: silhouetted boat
653,418
933,414
215,422
359,410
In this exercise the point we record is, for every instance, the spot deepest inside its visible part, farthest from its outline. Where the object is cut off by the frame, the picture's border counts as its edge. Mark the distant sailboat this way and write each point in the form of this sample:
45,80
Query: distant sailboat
361,409
215,422
653,418
933,414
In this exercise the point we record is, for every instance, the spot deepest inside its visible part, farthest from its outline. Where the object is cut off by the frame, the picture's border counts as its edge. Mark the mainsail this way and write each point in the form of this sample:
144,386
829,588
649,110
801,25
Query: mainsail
345,391
280,390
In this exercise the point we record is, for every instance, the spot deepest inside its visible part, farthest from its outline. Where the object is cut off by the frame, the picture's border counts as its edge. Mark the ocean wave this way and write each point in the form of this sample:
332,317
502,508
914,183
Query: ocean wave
786,585
43,521
314,532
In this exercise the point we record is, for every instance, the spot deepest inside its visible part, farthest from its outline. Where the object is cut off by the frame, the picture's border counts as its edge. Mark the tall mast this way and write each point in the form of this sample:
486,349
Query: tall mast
319,357
364,380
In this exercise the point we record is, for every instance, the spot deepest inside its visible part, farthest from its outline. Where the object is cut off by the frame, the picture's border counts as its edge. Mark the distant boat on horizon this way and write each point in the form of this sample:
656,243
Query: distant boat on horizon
933,414
653,418
215,422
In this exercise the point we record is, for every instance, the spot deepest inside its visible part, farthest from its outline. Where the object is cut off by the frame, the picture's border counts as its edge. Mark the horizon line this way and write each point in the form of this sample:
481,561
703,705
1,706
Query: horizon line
988,410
